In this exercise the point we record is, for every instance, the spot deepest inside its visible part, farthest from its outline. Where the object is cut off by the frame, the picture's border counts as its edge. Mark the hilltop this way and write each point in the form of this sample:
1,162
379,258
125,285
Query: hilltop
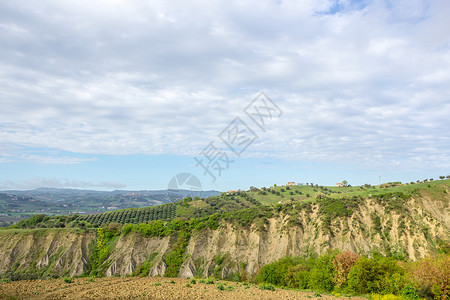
393,196
307,192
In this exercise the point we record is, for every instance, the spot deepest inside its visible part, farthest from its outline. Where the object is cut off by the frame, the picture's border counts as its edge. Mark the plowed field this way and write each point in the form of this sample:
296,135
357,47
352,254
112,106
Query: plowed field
143,288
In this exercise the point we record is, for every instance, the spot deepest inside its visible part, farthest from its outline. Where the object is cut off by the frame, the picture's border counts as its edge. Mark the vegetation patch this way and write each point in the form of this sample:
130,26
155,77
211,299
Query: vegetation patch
144,269
105,241
175,258
348,273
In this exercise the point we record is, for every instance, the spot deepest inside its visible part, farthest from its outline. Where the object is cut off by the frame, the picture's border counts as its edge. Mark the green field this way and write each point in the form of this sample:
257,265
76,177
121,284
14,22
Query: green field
281,194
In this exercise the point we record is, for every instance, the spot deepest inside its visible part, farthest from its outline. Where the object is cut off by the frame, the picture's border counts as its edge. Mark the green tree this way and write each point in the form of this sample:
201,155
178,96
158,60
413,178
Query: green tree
321,275
376,275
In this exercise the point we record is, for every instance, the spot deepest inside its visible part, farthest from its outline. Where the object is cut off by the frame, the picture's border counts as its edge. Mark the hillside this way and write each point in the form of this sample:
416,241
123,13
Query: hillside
234,234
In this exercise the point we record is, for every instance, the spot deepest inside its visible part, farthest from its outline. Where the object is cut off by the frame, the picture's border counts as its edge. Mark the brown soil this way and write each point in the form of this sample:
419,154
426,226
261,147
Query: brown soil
142,288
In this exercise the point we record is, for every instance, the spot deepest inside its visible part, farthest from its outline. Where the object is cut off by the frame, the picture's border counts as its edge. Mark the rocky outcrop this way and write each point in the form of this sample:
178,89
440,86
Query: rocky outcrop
52,252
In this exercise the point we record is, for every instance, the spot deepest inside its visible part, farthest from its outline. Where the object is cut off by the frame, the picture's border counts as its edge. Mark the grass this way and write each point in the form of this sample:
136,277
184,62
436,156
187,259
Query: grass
273,199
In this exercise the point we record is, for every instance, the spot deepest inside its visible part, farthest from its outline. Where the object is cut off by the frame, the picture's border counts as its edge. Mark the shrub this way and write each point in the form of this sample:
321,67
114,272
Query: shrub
266,287
32,222
376,275
68,280
343,263
321,275
297,277
409,292
114,227
200,226
229,288
320,196
276,272
432,276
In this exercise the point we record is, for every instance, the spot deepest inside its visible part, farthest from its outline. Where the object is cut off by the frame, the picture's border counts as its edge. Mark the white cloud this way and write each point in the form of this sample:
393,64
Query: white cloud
366,85
65,160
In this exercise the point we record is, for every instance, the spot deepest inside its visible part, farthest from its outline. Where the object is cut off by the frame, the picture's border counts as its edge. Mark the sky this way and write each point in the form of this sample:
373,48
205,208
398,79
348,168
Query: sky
129,94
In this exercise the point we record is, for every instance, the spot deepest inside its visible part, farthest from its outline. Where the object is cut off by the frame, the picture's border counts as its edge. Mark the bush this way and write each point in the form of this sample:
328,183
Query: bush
32,222
343,263
376,275
68,280
321,275
320,196
431,277
266,287
276,272
409,292
297,277
362,275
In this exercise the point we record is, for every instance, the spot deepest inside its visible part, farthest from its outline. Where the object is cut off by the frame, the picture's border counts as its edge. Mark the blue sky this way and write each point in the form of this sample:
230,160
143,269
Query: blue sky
126,94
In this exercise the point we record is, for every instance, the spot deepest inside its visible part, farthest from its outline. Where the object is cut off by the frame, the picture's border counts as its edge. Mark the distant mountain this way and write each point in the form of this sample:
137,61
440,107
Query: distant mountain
54,194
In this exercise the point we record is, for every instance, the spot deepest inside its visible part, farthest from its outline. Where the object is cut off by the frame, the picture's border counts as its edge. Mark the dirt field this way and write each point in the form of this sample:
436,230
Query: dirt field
143,288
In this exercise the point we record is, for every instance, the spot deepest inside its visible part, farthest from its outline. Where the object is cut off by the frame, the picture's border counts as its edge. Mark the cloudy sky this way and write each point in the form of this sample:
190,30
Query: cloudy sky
127,94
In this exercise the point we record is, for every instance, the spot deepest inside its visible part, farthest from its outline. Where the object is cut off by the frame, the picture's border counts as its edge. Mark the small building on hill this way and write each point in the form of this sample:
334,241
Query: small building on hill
339,184
290,183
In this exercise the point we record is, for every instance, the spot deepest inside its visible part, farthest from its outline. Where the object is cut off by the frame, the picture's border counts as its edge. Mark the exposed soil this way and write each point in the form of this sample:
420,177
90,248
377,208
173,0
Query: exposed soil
143,288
